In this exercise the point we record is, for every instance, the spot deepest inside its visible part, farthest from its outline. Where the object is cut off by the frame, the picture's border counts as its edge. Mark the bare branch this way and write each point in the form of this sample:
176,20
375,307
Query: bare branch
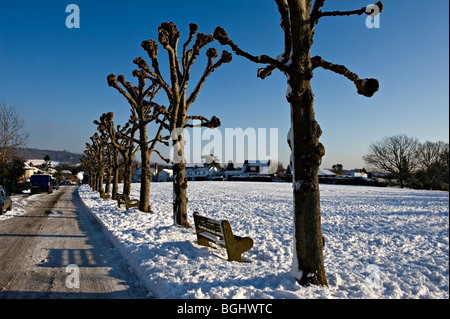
112,82
201,41
379,4
193,28
168,36
283,9
212,123
365,87
316,10
221,35
162,157
212,53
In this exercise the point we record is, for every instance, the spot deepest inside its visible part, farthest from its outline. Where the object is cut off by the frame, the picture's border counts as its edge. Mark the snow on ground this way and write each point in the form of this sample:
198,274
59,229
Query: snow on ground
383,243
19,204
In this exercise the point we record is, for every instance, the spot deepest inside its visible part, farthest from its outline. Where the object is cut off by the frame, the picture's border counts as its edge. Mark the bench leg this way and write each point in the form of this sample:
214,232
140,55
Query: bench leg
202,241
132,203
235,248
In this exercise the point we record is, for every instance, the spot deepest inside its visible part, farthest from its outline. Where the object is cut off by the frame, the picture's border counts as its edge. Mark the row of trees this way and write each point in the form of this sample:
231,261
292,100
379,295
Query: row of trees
412,163
298,21
113,146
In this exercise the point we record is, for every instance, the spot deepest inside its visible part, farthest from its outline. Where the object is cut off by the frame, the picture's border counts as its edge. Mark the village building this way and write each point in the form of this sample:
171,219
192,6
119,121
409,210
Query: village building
201,173
165,175
253,170
136,176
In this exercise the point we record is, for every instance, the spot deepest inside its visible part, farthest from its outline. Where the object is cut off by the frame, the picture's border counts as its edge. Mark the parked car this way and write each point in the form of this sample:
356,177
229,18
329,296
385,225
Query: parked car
55,184
5,201
41,183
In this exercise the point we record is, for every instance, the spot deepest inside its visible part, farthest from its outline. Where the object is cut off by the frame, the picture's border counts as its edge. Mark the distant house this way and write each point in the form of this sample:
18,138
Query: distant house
49,170
325,173
136,176
65,173
165,175
357,173
322,173
200,173
29,170
253,170
40,162
228,175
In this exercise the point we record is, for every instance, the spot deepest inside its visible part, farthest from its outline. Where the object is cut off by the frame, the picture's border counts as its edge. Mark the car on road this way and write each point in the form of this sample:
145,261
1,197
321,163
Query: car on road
41,183
5,201
55,184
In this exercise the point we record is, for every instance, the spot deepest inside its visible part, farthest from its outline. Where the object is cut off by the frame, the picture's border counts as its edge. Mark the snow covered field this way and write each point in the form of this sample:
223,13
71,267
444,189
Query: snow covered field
380,242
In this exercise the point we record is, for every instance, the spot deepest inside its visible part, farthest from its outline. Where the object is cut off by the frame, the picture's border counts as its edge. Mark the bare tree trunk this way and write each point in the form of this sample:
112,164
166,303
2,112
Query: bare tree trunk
144,199
108,180
307,152
304,139
180,198
115,181
127,180
101,176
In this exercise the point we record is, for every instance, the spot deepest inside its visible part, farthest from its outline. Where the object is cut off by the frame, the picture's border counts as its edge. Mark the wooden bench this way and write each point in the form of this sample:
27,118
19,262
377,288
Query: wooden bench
105,196
128,203
219,232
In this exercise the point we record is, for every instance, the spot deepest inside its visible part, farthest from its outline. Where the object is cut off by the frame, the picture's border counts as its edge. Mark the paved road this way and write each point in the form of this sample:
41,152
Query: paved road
57,250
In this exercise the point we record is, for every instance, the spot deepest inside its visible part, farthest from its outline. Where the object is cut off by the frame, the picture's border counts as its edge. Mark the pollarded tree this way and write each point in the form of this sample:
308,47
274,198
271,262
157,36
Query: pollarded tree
298,21
96,153
119,140
179,98
143,111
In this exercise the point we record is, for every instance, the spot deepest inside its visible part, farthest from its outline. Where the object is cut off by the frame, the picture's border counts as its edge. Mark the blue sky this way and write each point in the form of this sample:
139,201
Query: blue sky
55,77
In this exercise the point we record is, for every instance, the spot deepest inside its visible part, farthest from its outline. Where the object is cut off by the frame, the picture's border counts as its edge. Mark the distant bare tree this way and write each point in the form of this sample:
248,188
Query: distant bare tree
433,163
11,134
445,160
298,21
397,155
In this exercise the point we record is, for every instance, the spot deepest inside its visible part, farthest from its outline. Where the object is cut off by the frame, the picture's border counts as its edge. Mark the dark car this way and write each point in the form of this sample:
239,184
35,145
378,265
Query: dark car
55,184
40,183
5,201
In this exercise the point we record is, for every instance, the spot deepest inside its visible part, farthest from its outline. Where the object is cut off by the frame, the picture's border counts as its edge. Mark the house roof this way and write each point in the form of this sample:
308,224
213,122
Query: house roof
326,172
204,168
257,163
139,171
